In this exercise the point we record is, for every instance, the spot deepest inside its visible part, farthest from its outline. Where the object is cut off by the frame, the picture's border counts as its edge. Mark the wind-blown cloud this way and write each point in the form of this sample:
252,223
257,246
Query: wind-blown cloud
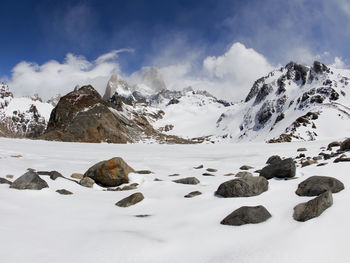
54,77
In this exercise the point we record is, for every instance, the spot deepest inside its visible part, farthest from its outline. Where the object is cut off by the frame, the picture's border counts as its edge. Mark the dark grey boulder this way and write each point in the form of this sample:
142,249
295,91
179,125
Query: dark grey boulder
313,208
29,180
243,187
273,159
247,215
64,192
192,194
212,170
130,200
5,181
345,145
208,174
341,159
53,174
243,174
144,172
316,185
279,169
187,180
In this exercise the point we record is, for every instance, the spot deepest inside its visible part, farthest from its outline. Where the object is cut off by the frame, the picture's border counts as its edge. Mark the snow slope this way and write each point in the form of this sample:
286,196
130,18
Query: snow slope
43,226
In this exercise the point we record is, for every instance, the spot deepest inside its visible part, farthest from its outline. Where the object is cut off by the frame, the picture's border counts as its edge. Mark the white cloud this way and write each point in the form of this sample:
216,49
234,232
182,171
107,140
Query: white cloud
54,77
338,63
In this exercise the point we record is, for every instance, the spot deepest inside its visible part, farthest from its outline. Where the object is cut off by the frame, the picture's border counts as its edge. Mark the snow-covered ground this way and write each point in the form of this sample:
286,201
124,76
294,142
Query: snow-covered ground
43,226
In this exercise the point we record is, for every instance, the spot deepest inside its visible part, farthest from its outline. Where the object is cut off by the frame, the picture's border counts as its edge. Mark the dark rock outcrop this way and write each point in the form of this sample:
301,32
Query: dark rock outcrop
280,169
112,172
313,208
29,180
316,185
243,187
247,215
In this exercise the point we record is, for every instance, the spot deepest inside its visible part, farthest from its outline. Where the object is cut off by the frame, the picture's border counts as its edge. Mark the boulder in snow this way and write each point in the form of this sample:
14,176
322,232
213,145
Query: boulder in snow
280,169
130,200
247,215
316,185
243,187
29,180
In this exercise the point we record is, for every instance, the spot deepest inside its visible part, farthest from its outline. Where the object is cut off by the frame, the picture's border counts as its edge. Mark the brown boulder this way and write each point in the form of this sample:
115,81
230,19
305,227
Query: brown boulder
112,172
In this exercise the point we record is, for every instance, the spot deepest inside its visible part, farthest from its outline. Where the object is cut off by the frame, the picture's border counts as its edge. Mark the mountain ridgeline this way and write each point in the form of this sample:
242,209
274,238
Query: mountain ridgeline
295,102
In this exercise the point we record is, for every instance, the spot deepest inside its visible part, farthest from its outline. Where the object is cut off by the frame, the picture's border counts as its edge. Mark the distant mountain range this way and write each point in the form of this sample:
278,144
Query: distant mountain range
295,102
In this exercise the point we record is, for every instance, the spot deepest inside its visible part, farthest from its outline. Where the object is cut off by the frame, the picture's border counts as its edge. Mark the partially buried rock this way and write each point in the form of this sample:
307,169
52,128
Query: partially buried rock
87,182
341,159
313,208
246,167
192,194
29,180
77,176
208,174
301,150
130,200
198,167
187,180
144,172
243,187
273,159
64,192
316,185
112,172
247,215
5,181
279,169
333,144
53,174
308,162
211,170
173,175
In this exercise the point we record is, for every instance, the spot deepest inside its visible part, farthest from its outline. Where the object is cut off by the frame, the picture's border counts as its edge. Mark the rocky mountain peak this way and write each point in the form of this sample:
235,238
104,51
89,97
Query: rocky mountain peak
154,79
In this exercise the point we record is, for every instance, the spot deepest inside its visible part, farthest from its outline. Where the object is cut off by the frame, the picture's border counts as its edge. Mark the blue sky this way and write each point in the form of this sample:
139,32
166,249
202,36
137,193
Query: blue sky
164,33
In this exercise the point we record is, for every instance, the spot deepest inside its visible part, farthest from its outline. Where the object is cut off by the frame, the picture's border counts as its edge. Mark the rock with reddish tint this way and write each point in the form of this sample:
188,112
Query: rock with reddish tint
113,172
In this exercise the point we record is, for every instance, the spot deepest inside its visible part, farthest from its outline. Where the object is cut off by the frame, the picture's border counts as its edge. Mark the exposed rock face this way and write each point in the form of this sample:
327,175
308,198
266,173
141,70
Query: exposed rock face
280,169
243,187
187,180
316,185
130,200
247,215
30,180
112,172
313,208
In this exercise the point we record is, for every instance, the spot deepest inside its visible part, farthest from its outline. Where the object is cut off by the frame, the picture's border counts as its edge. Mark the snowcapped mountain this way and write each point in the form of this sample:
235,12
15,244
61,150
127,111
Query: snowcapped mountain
24,117
295,102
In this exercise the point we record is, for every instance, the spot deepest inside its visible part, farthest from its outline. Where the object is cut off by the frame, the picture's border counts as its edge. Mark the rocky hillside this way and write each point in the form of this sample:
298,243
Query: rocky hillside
22,117
295,102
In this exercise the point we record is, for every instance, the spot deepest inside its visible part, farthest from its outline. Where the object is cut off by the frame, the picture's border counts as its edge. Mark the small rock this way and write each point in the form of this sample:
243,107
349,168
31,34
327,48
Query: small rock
53,174
243,187
199,167
333,144
211,170
144,172
29,180
64,192
313,208
130,200
321,164
341,159
279,169
192,194
208,174
157,180
229,174
16,156
316,185
173,175
308,162
243,174
246,167
77,176
128,187
87,182
273,159
5,181
301,150
317,158
9,176
247,215
187,180
302,155
141,216
290,178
